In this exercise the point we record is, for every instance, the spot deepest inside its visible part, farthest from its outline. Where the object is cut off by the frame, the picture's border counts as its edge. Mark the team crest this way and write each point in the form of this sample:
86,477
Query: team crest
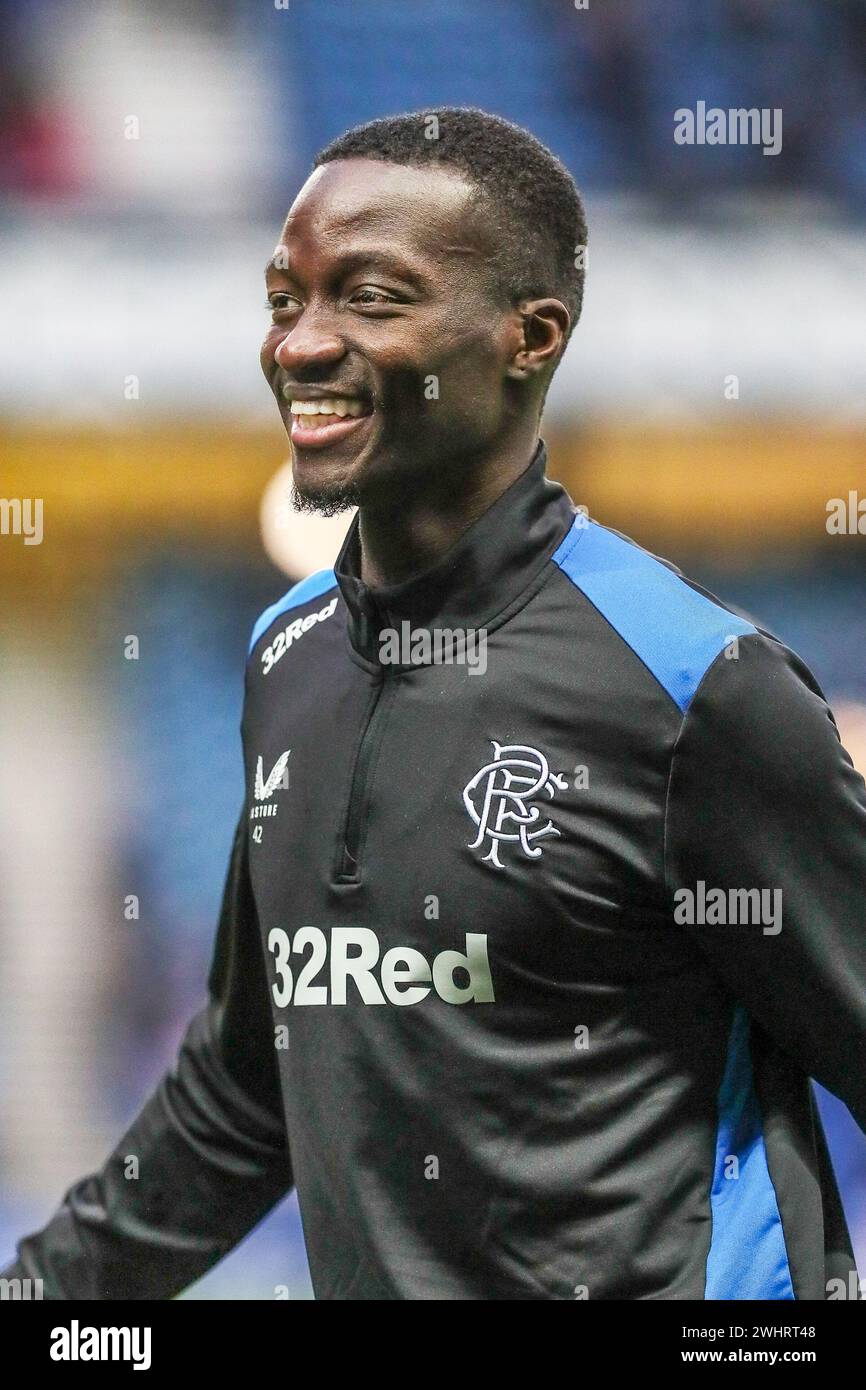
499,796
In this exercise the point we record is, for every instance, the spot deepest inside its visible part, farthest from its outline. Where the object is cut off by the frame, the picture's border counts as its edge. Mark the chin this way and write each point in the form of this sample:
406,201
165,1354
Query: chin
327,497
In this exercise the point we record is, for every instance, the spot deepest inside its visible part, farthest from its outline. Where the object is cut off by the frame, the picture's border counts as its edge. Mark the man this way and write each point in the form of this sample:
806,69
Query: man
548,895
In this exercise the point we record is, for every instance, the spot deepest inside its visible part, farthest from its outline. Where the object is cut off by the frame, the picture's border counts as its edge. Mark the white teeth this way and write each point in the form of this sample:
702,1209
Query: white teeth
337,405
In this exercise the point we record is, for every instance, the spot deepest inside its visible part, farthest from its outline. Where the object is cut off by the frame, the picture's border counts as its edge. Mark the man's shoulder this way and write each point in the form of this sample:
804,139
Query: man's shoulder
310,601
675,628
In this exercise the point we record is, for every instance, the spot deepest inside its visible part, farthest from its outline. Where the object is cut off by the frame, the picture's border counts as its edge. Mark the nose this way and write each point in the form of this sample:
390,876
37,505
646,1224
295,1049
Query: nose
308,344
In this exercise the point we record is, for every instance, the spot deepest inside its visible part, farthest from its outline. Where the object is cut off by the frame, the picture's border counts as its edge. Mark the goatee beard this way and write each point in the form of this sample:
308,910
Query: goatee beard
327,500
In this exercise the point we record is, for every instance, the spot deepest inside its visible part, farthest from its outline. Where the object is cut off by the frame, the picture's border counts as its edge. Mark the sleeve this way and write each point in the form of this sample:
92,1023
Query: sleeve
762,795
210,1144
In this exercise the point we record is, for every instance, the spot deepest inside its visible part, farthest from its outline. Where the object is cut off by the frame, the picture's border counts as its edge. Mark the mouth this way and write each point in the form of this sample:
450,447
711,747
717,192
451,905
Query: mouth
323,421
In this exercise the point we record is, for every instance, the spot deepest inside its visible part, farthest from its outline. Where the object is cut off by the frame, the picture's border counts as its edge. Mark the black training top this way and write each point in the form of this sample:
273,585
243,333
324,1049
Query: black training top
547,898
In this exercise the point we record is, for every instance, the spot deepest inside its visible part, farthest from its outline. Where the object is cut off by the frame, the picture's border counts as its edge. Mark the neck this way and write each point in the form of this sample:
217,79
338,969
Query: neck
403,535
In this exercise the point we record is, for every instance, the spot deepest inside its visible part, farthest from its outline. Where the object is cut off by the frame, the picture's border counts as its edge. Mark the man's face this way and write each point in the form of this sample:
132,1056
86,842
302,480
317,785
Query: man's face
384,321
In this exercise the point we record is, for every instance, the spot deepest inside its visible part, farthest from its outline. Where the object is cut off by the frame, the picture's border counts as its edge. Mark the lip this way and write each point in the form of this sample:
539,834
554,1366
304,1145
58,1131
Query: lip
291,392
323,436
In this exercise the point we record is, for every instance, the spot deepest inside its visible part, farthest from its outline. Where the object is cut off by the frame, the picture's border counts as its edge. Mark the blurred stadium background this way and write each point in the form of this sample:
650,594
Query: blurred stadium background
711,405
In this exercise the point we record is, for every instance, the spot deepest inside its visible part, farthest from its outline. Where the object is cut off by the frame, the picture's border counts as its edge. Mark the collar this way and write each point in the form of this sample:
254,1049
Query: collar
478,581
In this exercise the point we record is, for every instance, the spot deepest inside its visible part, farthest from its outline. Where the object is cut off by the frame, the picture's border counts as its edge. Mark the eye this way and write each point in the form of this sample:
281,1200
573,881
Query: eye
279,301
370,295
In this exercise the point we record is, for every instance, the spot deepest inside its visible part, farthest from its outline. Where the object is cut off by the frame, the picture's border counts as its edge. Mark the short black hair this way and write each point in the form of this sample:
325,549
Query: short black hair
538,213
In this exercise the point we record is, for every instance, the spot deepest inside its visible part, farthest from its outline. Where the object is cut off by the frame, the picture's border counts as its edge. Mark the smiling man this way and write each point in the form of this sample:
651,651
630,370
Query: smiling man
403,383
496,986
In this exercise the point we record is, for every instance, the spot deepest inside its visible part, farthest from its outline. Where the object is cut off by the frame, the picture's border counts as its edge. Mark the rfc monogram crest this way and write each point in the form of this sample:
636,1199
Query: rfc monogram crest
498,800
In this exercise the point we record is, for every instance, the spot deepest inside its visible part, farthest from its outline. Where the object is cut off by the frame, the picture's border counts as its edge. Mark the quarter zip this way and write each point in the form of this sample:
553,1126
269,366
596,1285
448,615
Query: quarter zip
348,866
490,568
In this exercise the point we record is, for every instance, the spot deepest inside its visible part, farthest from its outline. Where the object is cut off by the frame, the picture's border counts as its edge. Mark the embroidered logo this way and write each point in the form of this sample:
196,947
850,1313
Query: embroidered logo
498,800
264,790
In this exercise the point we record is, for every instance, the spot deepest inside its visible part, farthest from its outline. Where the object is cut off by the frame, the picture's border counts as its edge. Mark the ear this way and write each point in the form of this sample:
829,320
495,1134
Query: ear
543,330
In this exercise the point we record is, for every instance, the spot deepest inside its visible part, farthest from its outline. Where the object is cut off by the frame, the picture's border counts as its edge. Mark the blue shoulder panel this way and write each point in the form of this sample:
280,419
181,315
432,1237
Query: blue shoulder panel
676,632
747,1258
309,588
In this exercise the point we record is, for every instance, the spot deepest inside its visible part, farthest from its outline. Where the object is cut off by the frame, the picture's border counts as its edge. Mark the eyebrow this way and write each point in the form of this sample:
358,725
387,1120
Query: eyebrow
373,257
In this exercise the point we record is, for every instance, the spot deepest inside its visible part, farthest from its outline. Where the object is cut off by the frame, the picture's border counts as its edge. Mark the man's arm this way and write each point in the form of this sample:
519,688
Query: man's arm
763,796
210,1144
